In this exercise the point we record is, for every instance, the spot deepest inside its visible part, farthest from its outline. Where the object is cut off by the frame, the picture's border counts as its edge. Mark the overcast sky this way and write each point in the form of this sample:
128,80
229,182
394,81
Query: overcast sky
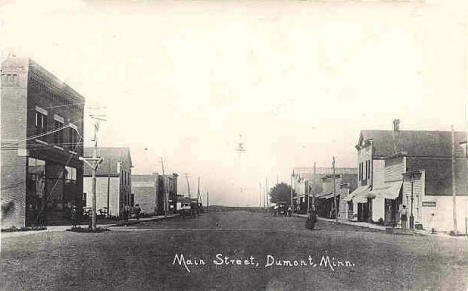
298,80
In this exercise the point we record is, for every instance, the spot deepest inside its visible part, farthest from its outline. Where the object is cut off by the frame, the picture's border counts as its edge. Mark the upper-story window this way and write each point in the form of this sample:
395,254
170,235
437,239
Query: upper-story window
9,79
58,134
361,176
70,175
72,137
368,169
40,122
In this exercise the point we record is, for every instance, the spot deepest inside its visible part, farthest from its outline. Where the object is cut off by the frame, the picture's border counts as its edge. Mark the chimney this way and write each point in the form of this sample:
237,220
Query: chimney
396,125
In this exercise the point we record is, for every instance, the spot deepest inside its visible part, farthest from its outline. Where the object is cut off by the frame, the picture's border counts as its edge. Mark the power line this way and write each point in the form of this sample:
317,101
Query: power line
71,104
48,132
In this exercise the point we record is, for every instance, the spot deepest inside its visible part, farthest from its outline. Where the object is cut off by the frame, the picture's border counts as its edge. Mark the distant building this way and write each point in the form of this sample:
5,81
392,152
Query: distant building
41,130
145,189
317,184
344,184
113,182
167,187
411,168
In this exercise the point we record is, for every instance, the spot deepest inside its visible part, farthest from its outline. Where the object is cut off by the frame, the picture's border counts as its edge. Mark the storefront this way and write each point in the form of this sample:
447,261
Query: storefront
361,203
49,187
324,204
387,200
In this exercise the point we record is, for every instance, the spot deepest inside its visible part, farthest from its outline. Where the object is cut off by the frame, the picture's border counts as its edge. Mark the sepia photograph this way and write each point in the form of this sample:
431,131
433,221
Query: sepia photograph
234,145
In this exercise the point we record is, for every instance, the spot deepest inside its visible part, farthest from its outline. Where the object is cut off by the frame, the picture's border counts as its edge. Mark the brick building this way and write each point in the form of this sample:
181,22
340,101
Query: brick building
113,179
41,130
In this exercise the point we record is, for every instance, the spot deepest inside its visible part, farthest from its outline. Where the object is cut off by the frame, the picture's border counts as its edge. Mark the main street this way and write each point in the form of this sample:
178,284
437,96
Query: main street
232,250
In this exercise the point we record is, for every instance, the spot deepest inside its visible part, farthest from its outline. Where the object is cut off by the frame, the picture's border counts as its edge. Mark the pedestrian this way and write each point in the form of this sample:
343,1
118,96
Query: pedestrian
30,214
311,220
137,210
403,217
42,216
74,216
125,213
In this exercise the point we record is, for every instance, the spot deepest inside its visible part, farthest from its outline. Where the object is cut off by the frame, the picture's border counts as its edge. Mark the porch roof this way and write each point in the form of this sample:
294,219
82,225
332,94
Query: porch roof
359,195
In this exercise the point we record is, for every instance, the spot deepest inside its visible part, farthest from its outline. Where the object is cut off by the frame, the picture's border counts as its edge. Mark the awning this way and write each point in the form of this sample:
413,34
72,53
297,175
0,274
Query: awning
390,190
326,195
359,195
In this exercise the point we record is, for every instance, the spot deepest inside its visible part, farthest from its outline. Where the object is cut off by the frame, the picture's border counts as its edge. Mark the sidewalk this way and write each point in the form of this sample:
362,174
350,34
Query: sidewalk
385,228
355,223
65,227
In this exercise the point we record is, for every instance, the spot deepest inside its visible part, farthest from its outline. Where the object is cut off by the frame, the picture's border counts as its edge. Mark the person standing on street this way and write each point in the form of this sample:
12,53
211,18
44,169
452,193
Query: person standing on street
403,216
137,211
74,216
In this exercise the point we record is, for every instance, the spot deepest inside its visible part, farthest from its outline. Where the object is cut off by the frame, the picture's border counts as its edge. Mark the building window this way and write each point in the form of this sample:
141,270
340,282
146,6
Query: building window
72,139
41,125
70,175
361,171
36,178
368,169
58,134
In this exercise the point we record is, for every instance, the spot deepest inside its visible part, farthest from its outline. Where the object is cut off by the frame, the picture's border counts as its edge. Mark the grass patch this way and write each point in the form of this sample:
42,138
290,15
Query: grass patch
87,230
29,228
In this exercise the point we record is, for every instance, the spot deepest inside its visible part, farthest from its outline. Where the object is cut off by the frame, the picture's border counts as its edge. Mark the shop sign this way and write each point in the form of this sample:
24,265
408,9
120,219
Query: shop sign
429,204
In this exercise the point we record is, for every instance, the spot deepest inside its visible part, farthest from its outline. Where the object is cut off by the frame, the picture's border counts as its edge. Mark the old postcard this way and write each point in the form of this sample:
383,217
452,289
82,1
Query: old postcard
233,145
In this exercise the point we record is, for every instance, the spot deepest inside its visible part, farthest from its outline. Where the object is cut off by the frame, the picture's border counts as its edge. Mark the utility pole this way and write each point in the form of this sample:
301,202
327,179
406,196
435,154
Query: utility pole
164,188
93,162
334,191
266,194
198,190
188,186
108,189
454,189
412,200
313,189
260,194
207,200
291,190
94,216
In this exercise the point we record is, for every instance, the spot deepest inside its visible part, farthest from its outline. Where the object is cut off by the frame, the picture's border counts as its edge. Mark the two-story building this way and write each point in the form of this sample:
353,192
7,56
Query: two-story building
166,193
314,183
113,179
330,202
145,190
416,169
41,135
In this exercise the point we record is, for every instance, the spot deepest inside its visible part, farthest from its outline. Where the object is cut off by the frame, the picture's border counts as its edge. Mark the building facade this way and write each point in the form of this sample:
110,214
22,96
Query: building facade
331,202
315,185
113,180
41,135
166,201
412,169
145,189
